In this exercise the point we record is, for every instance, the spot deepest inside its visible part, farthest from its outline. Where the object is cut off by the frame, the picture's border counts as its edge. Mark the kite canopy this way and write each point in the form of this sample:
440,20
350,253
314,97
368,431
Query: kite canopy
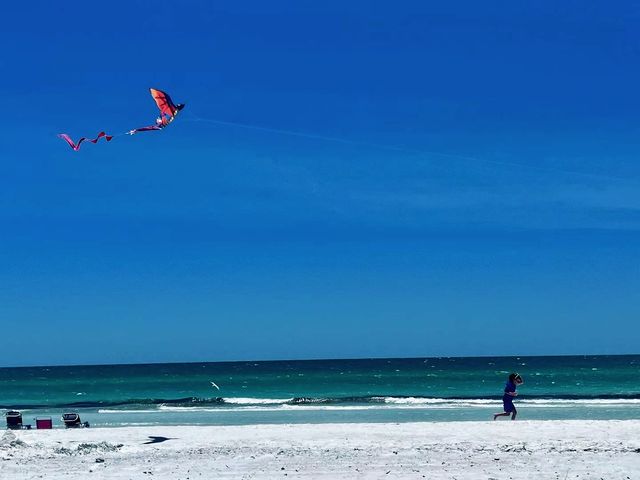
164,103
168,112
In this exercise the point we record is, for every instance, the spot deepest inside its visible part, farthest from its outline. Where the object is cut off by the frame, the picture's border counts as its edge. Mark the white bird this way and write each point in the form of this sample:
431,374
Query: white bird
214,385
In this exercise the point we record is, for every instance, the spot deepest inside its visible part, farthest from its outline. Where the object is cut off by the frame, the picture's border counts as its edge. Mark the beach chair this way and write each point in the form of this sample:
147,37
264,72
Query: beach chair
72,420
44,423
14,420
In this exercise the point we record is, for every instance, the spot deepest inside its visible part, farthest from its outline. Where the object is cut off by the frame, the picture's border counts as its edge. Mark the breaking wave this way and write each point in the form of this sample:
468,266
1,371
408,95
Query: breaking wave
374,401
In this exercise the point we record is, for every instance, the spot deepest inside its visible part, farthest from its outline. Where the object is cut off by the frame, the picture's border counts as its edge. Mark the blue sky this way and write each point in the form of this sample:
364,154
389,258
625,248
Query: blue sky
465,181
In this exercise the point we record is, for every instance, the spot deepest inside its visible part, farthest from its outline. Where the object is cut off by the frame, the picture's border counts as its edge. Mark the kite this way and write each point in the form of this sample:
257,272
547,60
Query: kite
168,112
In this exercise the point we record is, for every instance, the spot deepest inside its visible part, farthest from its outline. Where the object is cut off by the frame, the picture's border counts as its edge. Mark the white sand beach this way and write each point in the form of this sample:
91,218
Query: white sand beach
447,450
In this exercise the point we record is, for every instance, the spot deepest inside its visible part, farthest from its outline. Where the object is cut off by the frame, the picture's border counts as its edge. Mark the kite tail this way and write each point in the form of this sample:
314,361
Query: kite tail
76,146
144,129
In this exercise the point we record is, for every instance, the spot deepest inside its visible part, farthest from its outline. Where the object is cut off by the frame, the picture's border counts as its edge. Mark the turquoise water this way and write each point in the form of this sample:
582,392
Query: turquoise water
366,390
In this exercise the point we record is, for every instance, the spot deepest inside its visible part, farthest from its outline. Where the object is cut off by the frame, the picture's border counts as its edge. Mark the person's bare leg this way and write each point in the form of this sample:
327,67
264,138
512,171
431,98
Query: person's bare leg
503,414
513,415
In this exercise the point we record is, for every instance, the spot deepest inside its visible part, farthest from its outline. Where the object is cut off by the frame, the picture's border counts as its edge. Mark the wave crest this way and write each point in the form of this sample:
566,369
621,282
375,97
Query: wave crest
373,400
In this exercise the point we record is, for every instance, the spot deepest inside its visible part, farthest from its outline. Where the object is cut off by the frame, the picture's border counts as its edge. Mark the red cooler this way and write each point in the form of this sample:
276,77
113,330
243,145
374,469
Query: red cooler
44,423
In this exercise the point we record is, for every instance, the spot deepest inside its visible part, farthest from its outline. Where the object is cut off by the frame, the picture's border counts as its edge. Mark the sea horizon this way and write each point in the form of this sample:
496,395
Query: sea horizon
319,359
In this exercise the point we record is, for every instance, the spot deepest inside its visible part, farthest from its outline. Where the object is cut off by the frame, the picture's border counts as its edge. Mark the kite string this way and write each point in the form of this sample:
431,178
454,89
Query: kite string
398,148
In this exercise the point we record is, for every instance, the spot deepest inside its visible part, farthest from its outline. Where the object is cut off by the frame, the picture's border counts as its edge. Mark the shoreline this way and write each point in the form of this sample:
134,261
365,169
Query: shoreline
436,450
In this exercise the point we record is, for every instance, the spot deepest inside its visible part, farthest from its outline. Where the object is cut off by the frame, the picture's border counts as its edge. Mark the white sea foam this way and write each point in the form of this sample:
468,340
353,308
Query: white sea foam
239,408
243,404
483,401
337,407
583,401
432,401
116,411
256,401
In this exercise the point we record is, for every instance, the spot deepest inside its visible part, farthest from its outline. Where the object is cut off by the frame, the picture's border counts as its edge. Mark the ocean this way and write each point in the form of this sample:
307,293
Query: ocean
322,391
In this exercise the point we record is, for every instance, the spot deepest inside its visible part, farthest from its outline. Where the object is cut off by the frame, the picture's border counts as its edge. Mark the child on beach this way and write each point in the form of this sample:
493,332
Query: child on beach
509,394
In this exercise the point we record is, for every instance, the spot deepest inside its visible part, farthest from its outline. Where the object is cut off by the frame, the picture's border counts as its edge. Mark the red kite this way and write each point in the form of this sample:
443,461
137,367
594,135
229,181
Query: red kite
168,112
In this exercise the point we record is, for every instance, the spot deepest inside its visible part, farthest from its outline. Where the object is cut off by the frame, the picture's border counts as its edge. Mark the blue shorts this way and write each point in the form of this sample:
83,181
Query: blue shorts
508,405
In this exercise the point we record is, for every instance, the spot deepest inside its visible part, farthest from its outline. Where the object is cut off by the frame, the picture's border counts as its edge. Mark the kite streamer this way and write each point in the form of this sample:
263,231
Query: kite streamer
76,146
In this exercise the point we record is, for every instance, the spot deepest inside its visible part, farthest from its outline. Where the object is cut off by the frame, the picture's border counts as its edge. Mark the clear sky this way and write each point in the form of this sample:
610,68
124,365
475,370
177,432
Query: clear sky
484,199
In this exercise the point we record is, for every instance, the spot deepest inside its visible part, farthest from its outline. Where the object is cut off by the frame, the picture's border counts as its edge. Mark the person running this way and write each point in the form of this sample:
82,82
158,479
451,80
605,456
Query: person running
509,395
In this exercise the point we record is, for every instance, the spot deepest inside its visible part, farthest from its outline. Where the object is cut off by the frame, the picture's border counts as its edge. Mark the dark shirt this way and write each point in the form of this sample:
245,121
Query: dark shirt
509,387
